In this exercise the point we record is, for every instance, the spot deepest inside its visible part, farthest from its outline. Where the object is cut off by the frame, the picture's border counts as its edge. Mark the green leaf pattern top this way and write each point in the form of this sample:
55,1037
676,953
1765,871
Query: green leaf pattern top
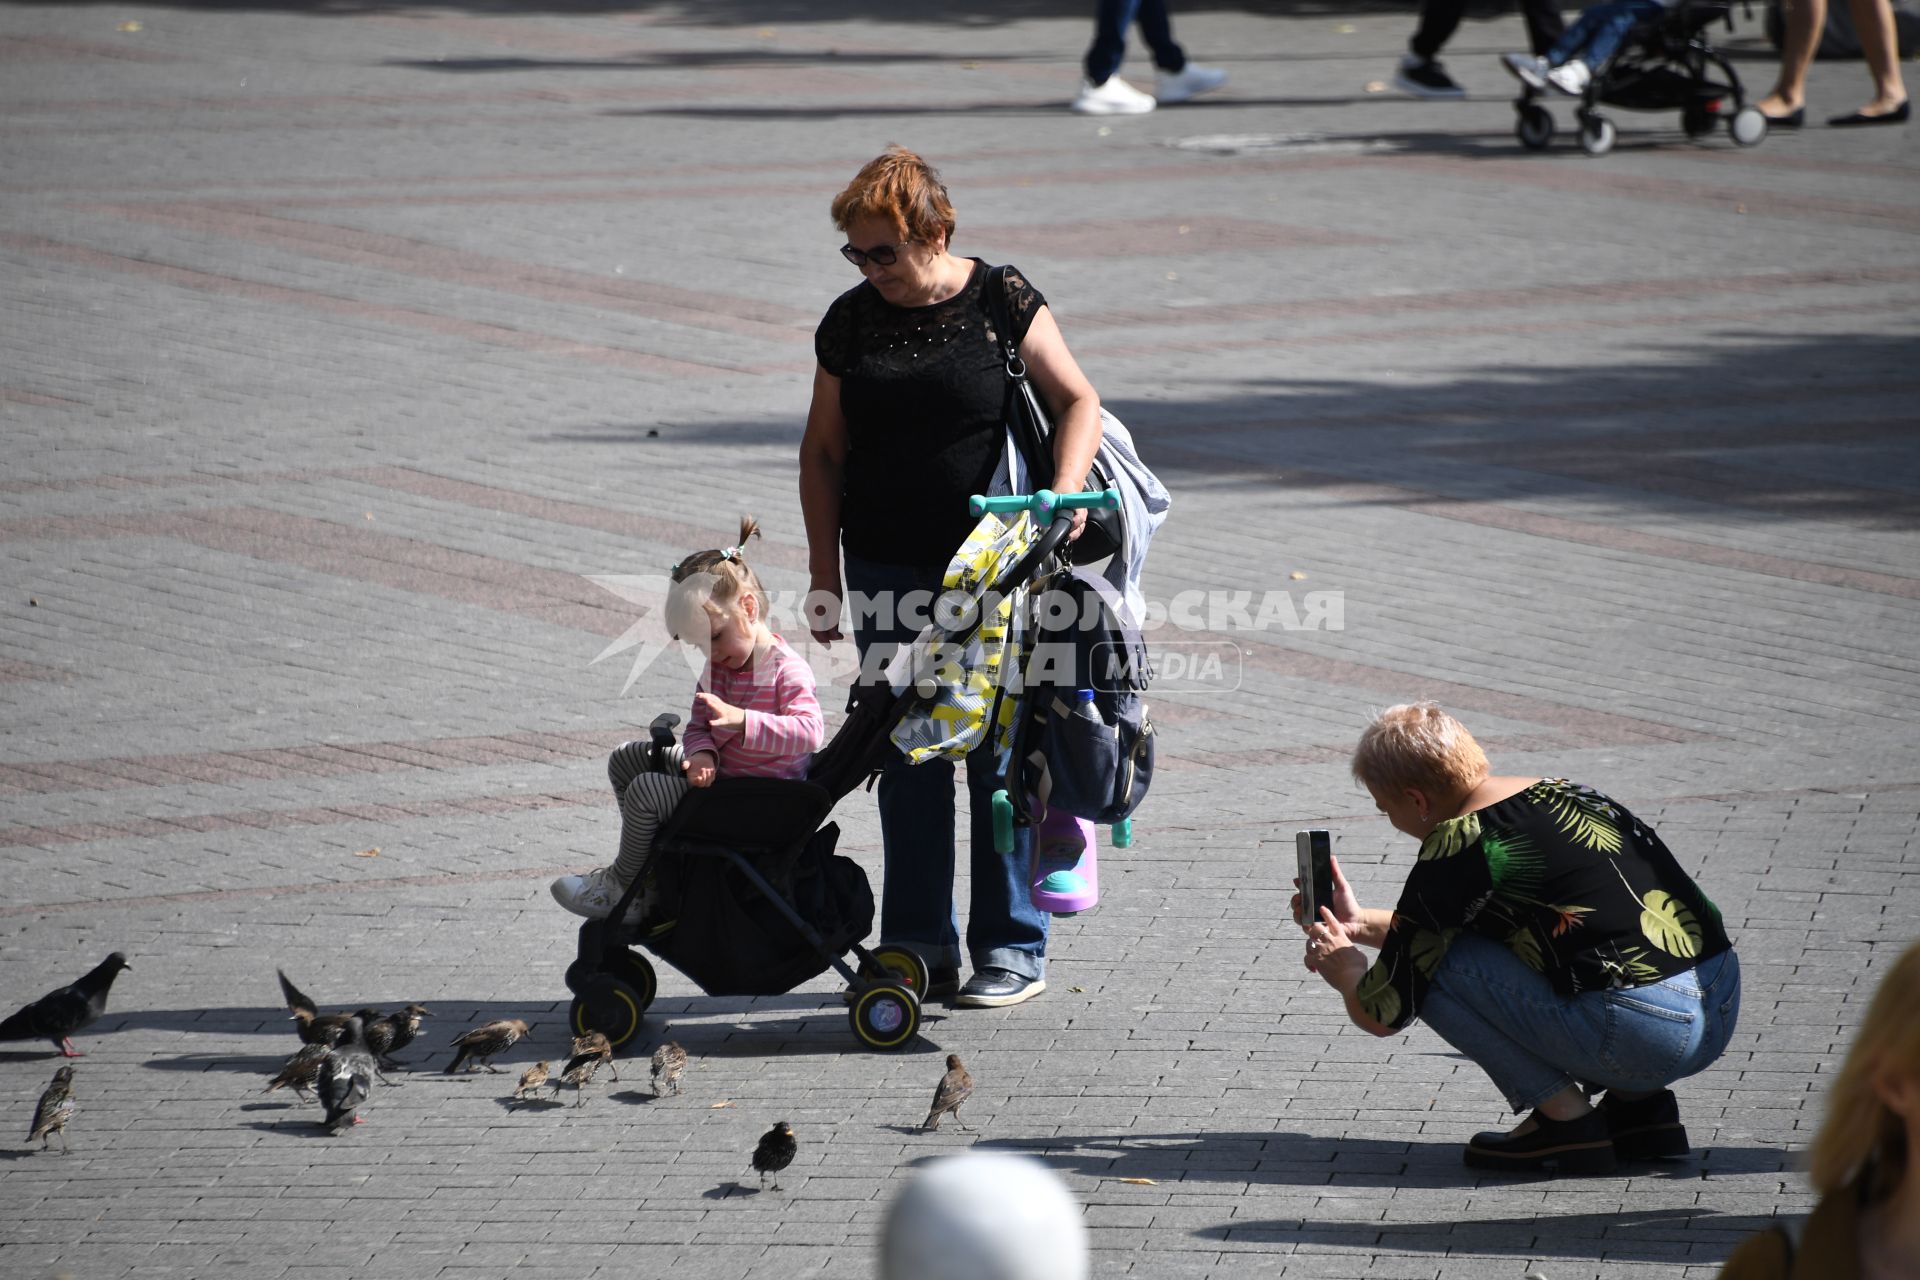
1450,837
1668,924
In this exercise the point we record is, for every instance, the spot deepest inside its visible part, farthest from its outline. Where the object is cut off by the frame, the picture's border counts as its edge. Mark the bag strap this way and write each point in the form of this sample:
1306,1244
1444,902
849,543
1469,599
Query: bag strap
996,298
1021,408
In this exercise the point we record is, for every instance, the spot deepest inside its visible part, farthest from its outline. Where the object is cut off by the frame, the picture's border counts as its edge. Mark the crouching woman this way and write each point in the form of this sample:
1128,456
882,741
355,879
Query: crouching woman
1545,933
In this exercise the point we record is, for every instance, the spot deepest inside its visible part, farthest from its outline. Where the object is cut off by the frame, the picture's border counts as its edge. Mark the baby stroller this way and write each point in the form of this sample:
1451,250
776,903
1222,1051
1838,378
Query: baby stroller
1664,64
749,897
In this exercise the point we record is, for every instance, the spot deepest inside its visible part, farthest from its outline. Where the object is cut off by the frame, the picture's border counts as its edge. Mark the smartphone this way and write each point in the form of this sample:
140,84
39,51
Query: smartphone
1313,851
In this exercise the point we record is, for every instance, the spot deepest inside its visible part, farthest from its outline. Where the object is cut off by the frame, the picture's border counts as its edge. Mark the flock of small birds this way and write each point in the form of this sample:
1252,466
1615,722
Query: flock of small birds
341,1055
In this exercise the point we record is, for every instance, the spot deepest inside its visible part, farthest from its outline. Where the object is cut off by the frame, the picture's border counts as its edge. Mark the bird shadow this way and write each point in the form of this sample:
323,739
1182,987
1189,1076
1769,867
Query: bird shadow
291,1104
512,1104
728,1190
633,1097
27,1055
243,1063
293,1128
10,1154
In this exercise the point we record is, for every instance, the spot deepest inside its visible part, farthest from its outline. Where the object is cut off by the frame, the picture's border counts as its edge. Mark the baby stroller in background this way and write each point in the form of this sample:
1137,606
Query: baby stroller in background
749,896
1664,64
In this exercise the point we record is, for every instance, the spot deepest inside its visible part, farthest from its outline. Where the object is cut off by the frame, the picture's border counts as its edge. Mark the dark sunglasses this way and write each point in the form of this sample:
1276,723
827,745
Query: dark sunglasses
881,255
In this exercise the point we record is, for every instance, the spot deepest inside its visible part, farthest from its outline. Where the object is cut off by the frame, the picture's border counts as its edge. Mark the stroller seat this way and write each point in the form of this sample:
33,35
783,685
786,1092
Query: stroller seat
747,812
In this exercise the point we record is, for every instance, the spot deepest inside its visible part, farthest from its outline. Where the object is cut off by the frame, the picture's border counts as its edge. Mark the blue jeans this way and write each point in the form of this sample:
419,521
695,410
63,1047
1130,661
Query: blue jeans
1598,33
1110,25
1534,1042
1004,929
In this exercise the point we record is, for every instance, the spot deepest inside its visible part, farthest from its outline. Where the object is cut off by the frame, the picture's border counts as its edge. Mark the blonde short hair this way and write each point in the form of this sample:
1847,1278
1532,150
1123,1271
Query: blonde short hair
1861,1137
1417,745
719,577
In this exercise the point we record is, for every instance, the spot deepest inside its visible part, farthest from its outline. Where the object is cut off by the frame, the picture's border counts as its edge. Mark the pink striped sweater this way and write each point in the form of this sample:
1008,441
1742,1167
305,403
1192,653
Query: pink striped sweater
783,727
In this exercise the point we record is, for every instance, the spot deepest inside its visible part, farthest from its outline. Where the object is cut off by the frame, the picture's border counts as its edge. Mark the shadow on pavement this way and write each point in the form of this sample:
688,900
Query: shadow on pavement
1651,1235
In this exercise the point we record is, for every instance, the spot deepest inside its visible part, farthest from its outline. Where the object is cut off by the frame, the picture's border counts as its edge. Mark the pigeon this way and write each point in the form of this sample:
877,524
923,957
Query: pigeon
58,1014
776,1151
484,1041
404,1026
596,1042
669,1060
955,1088
316,1027
55,1109
345,1078
300,1070
530,1079
578,1073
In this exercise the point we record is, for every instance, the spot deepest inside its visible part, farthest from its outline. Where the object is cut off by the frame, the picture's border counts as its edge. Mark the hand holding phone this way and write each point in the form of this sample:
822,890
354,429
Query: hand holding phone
1313,854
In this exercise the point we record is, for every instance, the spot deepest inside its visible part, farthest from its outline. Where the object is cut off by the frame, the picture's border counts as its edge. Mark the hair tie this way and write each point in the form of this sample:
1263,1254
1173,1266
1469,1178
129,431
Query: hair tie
730,553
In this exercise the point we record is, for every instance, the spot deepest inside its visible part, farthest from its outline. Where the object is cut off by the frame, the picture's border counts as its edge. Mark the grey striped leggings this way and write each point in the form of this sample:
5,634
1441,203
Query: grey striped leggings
646,798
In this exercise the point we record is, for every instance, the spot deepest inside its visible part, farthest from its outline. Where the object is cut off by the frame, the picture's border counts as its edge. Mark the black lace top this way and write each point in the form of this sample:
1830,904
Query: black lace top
923,390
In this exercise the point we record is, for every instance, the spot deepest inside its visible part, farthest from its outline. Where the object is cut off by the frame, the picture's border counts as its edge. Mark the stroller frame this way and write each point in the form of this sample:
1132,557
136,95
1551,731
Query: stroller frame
613,984
1663,64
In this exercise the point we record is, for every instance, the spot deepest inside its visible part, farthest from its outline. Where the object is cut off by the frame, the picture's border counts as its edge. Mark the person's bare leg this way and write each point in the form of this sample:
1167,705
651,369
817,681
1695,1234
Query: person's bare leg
1873,19
1804,21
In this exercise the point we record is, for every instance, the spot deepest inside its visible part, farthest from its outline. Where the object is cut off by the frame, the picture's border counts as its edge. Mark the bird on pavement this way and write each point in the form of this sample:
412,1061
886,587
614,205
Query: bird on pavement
776,1151
669,1060
300,1070
530,1079
54,1110
477,1046
345,1078
313,1026
579,1073
404,1026
596,1042
58,1014
955,1088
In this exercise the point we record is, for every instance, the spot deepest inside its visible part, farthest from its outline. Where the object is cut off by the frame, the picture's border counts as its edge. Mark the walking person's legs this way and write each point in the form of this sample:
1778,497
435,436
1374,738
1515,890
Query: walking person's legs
1879,46
1785,104
1006,933
1420,72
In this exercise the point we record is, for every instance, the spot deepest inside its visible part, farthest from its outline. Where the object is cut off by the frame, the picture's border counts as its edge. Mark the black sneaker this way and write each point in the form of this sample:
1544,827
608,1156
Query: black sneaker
990,988
1647,1128
1425,78
1580,1146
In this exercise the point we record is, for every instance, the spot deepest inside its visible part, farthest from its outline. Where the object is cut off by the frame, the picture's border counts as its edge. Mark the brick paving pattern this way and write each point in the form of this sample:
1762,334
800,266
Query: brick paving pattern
344,344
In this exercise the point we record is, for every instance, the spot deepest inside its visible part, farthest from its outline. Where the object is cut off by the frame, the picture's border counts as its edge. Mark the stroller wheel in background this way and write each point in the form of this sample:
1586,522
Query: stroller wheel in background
613,999
1597,135
885,1015
1748,127
1534,128
901,965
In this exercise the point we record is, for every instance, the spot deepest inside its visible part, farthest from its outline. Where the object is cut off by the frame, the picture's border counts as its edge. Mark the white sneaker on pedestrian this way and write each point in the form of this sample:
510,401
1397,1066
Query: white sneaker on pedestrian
1114,98
1571,78
1190,81
1425,78
1528,69
591,895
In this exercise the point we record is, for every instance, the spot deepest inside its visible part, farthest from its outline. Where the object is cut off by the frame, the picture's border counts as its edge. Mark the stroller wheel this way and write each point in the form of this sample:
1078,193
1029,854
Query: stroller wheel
898,964
1748,126
885,1016
1534,128
608,1006
1597,135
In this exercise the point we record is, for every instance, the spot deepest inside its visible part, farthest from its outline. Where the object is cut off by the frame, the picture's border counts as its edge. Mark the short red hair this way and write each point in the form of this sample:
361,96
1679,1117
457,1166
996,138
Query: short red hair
901,188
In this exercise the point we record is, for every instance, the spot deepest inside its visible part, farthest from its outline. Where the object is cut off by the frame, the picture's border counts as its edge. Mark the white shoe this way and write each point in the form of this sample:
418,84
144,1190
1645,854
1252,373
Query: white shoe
591,895
1529,70
1190,81
1114,98
1571,78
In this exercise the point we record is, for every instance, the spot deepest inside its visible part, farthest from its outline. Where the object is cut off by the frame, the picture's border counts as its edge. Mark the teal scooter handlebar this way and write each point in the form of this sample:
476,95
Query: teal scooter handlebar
1045,503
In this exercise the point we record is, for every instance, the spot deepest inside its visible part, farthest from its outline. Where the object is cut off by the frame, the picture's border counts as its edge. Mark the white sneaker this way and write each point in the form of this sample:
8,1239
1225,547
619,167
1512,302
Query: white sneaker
591,895
1114,98
1529,70
1190,81
1571,78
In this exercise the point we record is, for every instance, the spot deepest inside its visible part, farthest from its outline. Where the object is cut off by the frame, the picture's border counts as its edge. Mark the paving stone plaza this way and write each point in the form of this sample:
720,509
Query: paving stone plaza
344,346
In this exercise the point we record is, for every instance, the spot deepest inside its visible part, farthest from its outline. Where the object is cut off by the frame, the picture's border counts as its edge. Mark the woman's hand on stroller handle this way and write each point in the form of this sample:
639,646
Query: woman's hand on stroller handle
1044,503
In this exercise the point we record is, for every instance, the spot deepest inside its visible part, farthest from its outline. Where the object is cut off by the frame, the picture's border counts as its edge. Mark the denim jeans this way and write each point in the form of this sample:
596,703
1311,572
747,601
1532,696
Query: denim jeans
1110,37
1004,929
1534,1042
1598,33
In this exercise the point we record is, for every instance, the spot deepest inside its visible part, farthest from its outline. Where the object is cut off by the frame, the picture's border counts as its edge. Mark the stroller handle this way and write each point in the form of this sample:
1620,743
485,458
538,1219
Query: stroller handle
1045,503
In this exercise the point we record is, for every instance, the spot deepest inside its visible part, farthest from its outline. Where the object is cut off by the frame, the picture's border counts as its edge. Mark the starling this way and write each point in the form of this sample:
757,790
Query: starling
776,1151
669,1060
405,1026
596,1042
484,1041
345,1077
316,1027
578,1073
300,1070
530,1079
55,1109
955,1088
58,1014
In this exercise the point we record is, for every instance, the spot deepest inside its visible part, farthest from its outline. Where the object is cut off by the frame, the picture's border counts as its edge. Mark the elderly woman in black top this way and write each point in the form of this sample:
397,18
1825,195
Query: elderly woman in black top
906,422
1546,934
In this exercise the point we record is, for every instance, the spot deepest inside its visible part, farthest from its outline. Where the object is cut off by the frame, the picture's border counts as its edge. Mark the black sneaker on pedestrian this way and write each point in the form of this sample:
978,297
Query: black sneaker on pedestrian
990,988
1574,1147
1425,78
1646,1128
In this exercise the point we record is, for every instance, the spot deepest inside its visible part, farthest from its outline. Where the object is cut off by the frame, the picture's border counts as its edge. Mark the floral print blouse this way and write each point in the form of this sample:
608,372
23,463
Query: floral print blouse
1565,877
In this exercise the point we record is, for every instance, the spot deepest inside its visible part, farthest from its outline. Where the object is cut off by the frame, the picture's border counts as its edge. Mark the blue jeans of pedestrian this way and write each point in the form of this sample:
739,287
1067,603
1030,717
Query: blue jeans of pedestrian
1598,33
1534,1042
1110,37
1004,929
